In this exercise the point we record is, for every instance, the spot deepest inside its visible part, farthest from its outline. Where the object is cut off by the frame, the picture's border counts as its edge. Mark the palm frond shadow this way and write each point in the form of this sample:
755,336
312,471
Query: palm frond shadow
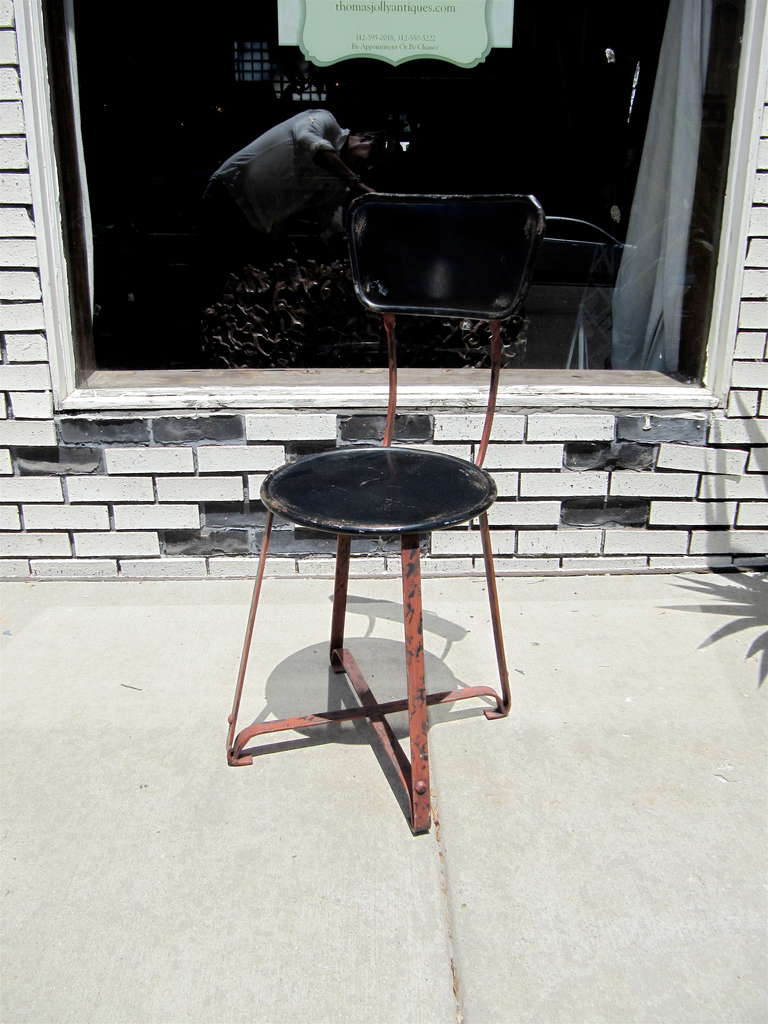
744,596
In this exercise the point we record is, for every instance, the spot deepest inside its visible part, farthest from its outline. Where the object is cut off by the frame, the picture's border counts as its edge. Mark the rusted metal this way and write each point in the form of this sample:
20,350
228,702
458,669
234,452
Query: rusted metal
389,327
496,351
498,638
343,545
389,707
231,756
417,693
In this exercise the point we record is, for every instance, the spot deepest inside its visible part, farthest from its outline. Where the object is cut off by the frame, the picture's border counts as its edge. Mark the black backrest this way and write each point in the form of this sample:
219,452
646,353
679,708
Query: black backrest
455,256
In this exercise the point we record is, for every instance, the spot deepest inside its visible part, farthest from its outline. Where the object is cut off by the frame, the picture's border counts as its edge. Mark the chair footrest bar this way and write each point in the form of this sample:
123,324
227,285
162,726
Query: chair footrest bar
346,714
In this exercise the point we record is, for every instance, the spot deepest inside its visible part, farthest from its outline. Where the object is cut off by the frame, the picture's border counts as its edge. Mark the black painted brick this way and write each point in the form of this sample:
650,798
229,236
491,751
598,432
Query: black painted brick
193,429
244,514
300,449
78,429
609,455
206,542
370,427
32,461
604,512
649,429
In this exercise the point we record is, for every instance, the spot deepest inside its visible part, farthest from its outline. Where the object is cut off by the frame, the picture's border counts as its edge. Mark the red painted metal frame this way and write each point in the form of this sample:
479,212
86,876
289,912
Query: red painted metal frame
412,777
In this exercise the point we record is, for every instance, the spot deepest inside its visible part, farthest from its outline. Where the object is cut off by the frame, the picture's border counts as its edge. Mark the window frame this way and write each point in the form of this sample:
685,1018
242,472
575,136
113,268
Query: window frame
254,389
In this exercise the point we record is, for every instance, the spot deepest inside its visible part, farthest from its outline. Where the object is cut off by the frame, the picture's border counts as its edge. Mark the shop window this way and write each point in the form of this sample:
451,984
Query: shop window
578,110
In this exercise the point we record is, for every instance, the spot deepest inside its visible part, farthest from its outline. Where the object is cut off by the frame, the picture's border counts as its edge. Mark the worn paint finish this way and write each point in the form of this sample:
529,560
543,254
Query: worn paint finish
417,692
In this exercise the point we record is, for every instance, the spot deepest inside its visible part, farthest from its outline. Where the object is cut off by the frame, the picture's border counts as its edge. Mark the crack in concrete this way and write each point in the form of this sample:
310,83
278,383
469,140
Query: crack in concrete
447,912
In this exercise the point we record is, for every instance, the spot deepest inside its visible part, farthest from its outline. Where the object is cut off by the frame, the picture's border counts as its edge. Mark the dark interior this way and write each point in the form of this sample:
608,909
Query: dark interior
560,115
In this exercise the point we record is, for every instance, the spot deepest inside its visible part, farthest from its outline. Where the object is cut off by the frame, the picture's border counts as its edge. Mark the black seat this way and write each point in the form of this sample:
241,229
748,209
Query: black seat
378,490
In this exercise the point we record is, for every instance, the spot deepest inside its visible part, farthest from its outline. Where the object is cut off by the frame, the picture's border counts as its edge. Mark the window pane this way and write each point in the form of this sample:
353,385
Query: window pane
251,270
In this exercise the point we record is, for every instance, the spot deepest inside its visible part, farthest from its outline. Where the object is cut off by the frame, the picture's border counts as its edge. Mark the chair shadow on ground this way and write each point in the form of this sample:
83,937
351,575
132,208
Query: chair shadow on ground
304,683
742,595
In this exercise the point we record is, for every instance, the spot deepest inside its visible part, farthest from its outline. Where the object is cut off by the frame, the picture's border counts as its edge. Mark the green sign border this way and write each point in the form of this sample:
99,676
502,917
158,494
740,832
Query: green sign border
389,60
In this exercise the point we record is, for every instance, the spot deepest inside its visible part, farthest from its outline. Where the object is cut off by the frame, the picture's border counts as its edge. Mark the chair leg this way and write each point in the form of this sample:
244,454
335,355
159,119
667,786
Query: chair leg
417,693
493,597
343,544
247,647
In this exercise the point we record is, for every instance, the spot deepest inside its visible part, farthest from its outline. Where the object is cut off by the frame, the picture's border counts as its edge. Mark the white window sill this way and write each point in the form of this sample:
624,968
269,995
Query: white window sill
351,389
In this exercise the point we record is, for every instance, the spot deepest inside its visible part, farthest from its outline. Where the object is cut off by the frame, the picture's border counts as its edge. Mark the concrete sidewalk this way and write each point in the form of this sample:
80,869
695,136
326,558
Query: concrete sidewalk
599,858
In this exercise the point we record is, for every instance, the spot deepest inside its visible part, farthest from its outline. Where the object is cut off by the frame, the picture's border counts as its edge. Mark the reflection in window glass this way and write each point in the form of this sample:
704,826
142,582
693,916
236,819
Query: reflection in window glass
219,165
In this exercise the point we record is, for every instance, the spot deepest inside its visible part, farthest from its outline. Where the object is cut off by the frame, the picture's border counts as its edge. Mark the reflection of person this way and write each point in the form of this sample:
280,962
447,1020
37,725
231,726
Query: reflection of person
304,164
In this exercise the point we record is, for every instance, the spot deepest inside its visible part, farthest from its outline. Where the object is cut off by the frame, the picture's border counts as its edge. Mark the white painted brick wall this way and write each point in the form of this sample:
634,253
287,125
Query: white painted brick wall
20,545
524,513
163,568
752,513
8,52
570,484
749,345
524,456
19,284
239,458
576,427
26,348
634,563
507,484
31,488
15,222
739,432
28,433
254,486
149,460
629,484
757,255
291,427
458,542
9,517
526,566
701,460
758,461
110,488
561,542
469,426
748,542
13,154
6,466
20,316
743,403
117,544
14,568
15,188
692,513
157,517
750,374
231,567
734,488
200,488
755,284
32,405
65,517
85,568
646,542
753,315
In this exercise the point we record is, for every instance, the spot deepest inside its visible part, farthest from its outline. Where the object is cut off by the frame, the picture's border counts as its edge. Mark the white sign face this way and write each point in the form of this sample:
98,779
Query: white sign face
395,31
500,20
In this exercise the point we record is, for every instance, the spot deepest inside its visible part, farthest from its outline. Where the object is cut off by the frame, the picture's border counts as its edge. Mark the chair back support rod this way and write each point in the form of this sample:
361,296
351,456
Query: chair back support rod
495,328
389,327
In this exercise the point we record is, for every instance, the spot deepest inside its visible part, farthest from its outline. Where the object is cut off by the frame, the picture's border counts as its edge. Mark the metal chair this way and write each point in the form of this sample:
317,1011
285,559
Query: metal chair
446,256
